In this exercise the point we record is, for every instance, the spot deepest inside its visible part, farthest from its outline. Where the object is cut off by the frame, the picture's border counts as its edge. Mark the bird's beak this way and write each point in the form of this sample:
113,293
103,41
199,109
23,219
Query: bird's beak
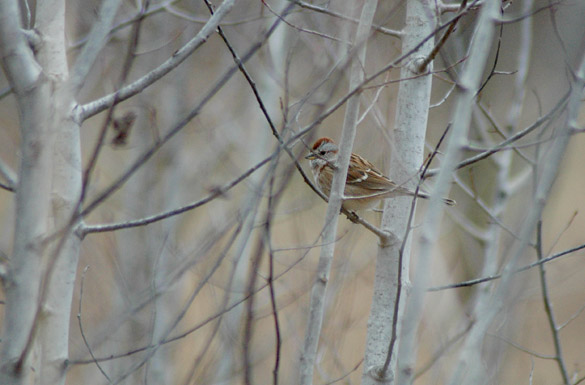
311,156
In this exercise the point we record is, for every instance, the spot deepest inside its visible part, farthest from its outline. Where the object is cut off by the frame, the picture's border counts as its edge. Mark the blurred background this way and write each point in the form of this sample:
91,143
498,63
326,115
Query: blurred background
184,280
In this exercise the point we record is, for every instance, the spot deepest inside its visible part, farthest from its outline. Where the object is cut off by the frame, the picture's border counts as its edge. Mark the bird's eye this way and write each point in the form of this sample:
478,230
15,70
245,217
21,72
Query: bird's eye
322,153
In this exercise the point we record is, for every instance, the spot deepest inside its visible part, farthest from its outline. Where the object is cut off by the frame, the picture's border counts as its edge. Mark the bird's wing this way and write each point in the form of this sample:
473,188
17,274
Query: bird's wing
365,180
366,175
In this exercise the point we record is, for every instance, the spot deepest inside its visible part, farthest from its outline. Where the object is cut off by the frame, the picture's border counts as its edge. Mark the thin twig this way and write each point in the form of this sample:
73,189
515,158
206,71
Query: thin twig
548,308
216,193
492,71
516,19
444,99
450,343
325,11
268,241
477,281
224,304
300,29
153,348
126,23
513,138
350,215
127,65
562,232
466,224
572,317
92,108
7,187
193,329
423,66
492,120
179,126
356,367
249,317
394,336
419,75
522,348
81,327
483,206
317,306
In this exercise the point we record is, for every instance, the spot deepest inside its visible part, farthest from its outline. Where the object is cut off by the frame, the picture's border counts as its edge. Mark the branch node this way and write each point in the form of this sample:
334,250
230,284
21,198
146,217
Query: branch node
379,375
419,65
33,38
388,239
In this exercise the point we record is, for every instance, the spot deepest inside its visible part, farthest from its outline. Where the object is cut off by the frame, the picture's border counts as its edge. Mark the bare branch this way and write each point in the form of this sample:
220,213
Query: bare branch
423,66
444,349
268,236
522,348
18,60
467,86
94,45
356,367
218,192
150,78
513,138
126,66
484,207
179,126
498,276
325,11
549,310
81,331
317,303
301,29
572,317
224,310
350,215
152,349
550,6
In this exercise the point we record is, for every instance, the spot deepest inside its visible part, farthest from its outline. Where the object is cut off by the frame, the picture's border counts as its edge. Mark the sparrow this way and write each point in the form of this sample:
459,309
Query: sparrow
365,186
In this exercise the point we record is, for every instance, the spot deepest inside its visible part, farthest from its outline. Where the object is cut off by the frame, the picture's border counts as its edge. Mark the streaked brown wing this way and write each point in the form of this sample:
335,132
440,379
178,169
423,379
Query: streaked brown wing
365,180
366,175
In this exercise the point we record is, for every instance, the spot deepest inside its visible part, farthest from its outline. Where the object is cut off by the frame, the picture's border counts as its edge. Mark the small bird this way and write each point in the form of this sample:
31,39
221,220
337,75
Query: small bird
365,186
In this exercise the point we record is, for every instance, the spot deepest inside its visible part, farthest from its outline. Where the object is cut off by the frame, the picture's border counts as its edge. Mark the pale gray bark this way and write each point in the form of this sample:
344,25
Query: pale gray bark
503,189
22,280
470,368
96,40
154,336
61,267
317,305
39,285
468,85
407,155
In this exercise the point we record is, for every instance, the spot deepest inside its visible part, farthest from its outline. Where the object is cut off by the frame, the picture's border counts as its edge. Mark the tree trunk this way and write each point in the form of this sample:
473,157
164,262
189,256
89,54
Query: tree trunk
407,156
41,275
